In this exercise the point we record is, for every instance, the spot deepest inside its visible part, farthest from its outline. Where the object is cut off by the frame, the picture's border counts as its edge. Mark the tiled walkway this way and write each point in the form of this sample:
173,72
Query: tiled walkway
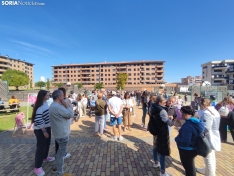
93,156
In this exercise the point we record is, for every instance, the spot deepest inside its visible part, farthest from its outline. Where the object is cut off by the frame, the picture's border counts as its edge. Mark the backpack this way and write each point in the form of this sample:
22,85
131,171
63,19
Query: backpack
203,145
152,125
223,111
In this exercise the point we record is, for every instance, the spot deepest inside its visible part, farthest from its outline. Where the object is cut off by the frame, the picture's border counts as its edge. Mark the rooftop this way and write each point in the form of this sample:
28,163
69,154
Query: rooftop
107,63
7,57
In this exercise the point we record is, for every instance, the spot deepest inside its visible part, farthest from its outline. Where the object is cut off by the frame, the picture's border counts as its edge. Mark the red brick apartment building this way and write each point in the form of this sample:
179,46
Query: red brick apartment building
142,73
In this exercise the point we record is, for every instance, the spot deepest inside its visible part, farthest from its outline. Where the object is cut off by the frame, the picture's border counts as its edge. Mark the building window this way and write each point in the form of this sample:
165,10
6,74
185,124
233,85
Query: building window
113,74
129,69
147,68
152,68
114,70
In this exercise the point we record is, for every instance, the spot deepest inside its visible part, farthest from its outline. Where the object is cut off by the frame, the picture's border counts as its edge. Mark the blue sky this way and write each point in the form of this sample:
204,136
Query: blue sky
183,33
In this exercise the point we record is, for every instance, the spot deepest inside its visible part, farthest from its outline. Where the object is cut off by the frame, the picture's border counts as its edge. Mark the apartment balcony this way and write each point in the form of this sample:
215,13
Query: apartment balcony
5,65
217,73
85,69
121,70
229,72
219,77
160,81
159,76
218,67
159,71
159,66
231,82
4,60
2,70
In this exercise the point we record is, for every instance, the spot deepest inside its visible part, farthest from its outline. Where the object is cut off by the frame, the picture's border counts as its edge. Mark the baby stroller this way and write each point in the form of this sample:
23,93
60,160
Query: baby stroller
91,109
76,112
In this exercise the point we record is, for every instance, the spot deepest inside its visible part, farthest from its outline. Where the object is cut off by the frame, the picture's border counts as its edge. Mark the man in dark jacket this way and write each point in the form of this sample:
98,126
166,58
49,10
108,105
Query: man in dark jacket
138,98
171,110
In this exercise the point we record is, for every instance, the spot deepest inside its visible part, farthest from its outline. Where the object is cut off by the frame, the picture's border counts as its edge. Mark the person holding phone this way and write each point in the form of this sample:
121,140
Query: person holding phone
60,114
42,131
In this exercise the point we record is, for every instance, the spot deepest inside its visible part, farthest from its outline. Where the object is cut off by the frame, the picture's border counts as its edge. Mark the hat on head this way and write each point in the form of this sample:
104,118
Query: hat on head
113,93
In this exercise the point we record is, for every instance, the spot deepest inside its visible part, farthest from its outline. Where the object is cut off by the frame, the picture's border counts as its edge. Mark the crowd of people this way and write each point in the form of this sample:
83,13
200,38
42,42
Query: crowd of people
54,112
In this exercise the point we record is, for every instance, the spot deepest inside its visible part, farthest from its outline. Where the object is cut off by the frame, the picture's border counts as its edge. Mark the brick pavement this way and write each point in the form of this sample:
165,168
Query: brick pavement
93,156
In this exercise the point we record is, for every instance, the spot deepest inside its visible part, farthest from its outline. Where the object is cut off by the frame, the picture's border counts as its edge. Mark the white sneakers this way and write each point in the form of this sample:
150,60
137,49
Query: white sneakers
120,138
67,156
156,165
115,138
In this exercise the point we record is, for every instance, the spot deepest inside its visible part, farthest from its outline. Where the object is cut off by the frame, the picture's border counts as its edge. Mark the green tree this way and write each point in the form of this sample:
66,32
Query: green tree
58,84
48,84
98,86
40,84
79,85
15,78
121,80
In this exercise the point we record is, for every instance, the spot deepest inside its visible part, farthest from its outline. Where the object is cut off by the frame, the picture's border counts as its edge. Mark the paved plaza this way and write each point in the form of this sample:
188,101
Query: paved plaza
94,156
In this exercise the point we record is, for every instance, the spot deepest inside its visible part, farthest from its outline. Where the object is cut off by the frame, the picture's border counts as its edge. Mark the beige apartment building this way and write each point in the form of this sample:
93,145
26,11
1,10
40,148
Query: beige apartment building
219,73
16,64
139,72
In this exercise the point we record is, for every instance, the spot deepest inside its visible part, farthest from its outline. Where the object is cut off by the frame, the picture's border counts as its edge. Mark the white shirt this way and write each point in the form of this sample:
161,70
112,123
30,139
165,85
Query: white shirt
128,102
212,125
115,104
84,101
74,96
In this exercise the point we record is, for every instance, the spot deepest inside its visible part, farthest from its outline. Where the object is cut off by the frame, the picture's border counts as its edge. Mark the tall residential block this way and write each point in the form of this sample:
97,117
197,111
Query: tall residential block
219,73
16,64
139,72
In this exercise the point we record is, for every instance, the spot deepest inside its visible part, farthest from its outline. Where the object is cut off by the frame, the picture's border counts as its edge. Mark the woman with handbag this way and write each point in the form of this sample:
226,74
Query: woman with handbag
224,107
187,138
127,110
211,118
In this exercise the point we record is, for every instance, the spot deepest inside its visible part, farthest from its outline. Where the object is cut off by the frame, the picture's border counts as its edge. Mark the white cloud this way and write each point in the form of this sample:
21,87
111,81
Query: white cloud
32,47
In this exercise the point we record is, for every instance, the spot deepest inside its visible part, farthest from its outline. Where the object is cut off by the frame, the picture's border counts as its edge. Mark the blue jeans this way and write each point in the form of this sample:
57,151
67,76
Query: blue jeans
161,159
169,130
63,142
144,109
138,102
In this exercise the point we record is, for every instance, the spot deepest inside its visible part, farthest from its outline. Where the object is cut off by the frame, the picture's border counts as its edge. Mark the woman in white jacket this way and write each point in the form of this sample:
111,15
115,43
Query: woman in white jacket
211,119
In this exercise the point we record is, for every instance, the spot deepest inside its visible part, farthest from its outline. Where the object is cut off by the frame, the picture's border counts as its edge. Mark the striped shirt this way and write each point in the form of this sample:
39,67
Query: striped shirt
42,118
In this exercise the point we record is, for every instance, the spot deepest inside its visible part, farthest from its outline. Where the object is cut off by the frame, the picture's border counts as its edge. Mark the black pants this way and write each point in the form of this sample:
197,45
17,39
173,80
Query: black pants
230,123
224,122
43,146
56,147
187,159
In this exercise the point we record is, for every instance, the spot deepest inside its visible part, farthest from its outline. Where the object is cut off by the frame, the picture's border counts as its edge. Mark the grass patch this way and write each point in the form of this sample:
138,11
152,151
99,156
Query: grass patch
8,121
